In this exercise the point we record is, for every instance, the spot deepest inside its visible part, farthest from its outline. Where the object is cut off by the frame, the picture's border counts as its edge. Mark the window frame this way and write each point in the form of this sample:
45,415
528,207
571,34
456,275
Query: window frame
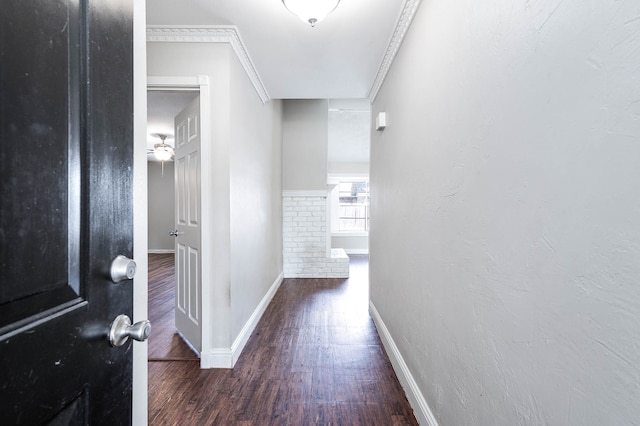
335,209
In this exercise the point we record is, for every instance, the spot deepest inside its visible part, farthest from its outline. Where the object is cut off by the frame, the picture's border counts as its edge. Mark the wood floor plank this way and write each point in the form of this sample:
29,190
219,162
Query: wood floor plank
314,358
164,342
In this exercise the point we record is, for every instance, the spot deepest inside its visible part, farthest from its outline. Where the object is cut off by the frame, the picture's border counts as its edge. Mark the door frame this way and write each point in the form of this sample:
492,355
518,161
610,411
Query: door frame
200,84
139,404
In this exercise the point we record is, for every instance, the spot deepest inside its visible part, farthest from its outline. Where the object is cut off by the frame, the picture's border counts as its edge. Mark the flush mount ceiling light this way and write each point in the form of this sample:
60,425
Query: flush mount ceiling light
311,11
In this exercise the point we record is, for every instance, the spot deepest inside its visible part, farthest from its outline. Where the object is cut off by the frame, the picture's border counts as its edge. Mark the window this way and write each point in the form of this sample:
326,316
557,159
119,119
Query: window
353,206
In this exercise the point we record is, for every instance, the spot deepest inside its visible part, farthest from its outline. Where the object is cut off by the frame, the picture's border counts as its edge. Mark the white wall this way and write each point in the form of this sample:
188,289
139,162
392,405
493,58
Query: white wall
351,243
243,130
349,169
161,206
212,60
256,203
304,146
505,225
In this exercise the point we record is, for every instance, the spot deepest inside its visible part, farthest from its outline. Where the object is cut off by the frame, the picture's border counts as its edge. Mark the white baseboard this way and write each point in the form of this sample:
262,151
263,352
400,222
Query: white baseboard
250,325
216,358
227,357
161,251
423,413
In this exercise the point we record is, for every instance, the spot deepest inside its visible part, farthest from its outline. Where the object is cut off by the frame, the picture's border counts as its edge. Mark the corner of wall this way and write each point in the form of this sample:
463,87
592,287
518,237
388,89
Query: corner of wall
227,357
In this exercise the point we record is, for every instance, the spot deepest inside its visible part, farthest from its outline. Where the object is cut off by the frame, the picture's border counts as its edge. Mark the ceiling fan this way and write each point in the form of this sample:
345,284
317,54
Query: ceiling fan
162,151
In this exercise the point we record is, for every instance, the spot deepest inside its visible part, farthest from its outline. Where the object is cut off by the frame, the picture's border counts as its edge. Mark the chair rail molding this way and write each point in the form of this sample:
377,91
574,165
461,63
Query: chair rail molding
211,34
404,22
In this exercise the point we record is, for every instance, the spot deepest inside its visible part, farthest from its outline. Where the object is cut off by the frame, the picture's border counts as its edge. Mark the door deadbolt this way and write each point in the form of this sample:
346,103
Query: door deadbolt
122,268
122,329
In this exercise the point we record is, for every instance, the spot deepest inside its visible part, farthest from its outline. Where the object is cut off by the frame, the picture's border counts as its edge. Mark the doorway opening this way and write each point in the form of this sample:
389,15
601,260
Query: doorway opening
193,90
162,108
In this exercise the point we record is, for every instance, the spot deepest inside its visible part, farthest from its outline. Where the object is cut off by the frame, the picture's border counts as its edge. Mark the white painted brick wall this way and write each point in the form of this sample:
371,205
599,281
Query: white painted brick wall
306,252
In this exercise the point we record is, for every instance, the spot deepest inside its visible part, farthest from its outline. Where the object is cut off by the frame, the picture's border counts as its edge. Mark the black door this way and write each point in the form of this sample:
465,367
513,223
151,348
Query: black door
66,151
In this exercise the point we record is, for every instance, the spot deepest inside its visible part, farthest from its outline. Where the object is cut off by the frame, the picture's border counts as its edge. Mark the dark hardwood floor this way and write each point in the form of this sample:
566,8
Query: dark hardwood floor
164,343
314,358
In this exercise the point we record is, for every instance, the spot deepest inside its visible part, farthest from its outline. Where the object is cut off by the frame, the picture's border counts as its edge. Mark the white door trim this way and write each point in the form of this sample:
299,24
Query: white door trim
139,410
201,83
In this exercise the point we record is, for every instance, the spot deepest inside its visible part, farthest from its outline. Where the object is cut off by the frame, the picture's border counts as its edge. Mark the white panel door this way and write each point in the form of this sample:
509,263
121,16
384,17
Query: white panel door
188,224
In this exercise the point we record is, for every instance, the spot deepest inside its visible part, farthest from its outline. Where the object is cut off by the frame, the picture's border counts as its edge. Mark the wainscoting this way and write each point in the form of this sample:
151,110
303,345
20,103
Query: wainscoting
306,241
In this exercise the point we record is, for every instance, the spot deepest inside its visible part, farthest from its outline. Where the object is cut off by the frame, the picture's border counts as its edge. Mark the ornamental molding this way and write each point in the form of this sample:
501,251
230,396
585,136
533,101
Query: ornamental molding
211,34
404,22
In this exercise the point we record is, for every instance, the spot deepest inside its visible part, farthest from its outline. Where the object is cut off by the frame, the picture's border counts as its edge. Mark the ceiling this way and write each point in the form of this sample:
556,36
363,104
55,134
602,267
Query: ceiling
337,59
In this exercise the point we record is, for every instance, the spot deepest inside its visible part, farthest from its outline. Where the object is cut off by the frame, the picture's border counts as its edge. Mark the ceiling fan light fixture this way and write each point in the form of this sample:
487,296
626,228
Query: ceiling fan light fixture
311,11
162,151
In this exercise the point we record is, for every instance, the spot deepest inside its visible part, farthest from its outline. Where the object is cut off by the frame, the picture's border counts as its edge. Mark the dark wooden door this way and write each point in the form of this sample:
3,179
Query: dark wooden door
66,151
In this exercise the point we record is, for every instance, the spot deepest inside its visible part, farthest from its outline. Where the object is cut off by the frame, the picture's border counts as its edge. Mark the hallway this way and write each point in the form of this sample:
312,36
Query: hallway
314,358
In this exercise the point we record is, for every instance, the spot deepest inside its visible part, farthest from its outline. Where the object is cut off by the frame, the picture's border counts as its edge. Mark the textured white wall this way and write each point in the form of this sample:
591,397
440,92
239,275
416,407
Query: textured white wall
161,205
505,235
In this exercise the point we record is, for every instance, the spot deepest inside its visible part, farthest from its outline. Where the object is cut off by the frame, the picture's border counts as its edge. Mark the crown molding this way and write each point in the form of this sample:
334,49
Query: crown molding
404,22
211,34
